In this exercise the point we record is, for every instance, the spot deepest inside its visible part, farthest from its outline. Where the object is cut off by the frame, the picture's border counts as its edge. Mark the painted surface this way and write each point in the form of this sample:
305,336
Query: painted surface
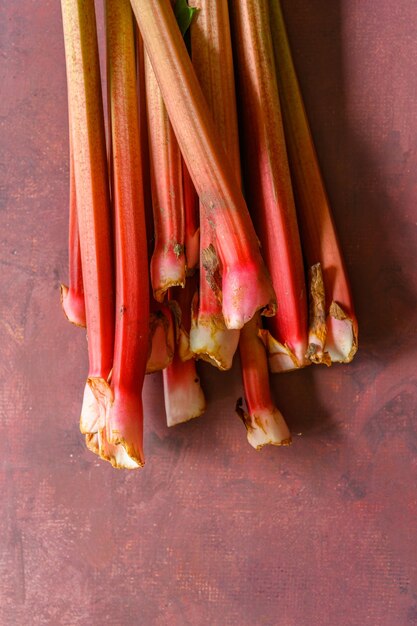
211,532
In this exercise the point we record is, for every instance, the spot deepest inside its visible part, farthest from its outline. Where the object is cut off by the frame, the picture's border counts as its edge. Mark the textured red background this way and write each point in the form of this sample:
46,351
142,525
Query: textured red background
211,532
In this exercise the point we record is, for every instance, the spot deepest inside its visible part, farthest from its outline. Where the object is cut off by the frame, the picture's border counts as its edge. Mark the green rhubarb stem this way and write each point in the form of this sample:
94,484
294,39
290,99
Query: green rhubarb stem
246,285
318,232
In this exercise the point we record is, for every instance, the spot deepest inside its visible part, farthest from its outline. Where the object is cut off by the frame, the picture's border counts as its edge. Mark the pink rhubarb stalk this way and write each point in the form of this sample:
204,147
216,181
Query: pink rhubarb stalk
268,184
192,225
168,258
184,397
333,324
120,439
212,60
212,54
92,193
246,286
264,423
72,297
161,337
161,327
144,140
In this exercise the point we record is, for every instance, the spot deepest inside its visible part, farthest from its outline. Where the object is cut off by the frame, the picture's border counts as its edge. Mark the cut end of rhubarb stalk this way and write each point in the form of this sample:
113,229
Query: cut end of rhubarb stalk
333,338
184,397
162,341
267,427
342,335
91,441
210,340
97,395
73,305
167,270
101,390
90,412
118,454
92,424
246,290
318,330
121,439
280,357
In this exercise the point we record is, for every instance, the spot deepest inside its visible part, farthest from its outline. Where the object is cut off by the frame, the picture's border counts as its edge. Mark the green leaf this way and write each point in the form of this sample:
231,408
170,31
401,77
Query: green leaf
184,15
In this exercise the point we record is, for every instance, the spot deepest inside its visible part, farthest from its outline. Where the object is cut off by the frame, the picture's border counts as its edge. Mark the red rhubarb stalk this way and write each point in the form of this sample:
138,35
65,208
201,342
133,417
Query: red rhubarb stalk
339,341
268,184
184,16
184,397
212,54
91,183
72,297
264,422
168,258
161,338
213,64
123,433
192,226
246,286
161,327
121,439
144,139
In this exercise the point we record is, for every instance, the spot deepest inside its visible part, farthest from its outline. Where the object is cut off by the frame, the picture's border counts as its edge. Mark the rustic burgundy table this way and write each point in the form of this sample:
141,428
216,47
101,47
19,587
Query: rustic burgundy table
210,532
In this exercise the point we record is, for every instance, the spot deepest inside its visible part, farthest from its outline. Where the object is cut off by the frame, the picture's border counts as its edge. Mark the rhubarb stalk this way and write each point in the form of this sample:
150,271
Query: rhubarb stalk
180,302
191,215
213,64
268,184
184,397
92,192
162,340
246,286
263,421
337,338
72,297
144,140
161,327
120,440
212,55
168,258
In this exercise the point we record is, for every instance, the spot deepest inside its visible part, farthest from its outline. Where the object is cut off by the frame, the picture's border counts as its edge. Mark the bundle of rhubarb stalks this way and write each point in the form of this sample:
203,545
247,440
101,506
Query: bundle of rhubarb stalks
199,222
